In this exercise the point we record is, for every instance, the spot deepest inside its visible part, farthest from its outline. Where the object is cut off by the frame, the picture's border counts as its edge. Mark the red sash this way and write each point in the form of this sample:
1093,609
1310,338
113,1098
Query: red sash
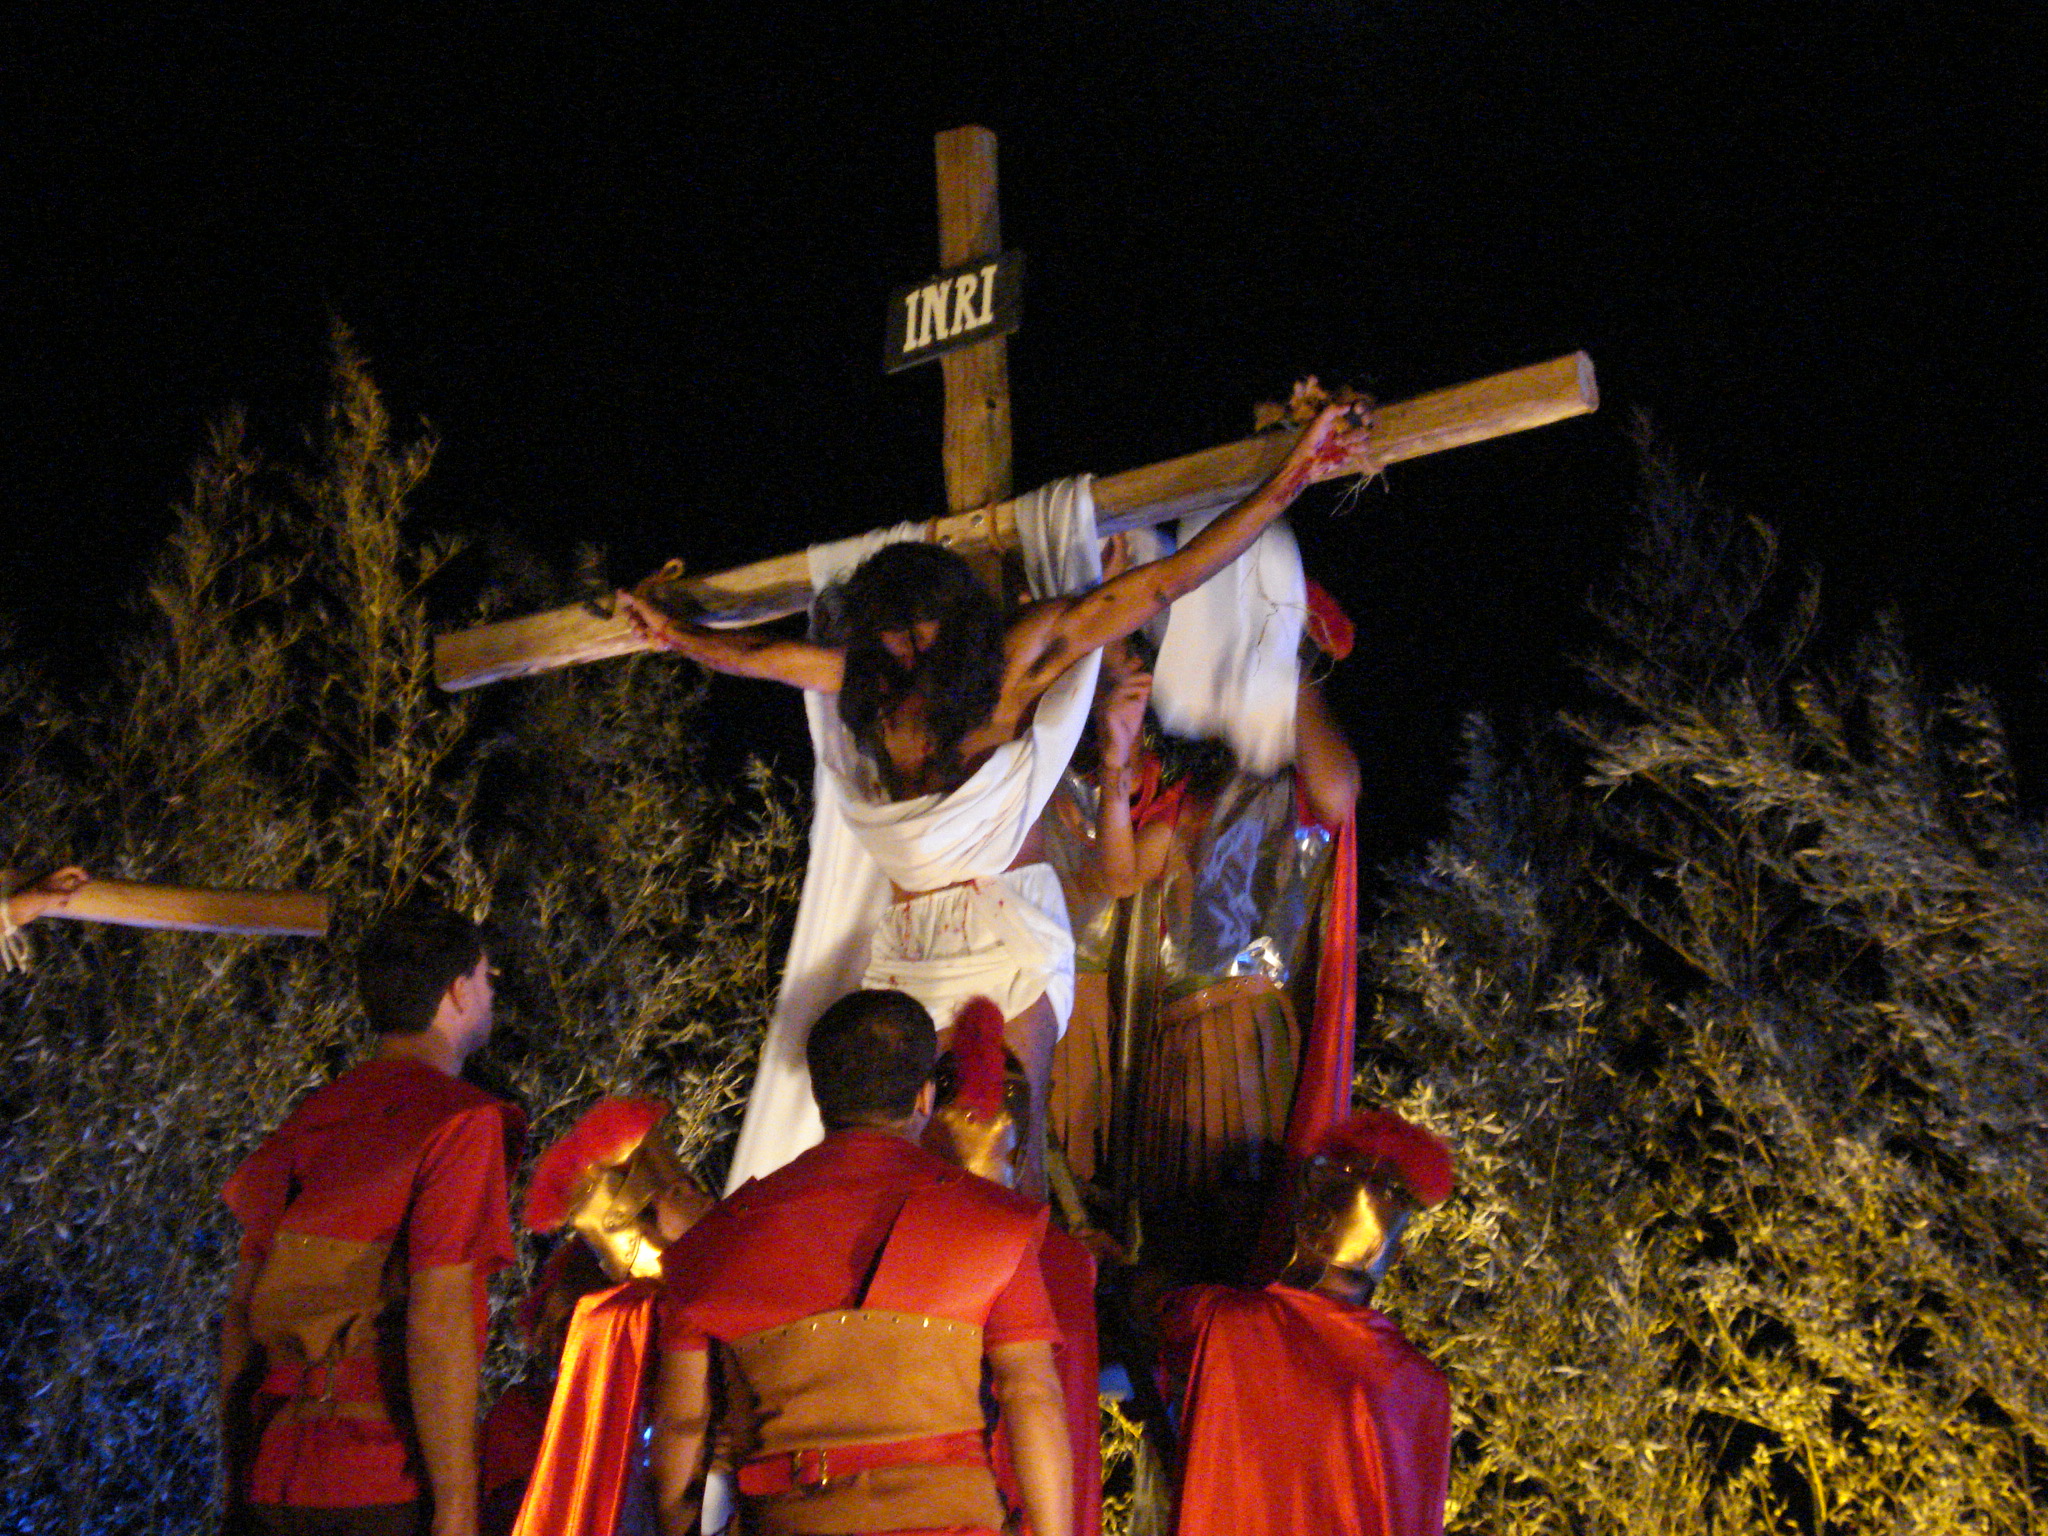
1322,1093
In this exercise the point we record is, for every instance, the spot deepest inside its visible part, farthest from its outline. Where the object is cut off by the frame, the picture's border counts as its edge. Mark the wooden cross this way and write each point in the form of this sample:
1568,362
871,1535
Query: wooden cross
192,909
981,517
976,444
977,441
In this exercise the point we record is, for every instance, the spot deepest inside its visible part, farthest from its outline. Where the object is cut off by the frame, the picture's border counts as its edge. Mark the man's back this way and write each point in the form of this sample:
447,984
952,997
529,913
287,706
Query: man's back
393,1168
1305,1414
805,1238
854,1294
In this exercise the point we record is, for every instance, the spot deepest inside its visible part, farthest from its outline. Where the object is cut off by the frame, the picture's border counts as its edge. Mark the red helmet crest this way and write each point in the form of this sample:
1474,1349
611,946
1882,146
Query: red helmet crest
1424,1162
607,1134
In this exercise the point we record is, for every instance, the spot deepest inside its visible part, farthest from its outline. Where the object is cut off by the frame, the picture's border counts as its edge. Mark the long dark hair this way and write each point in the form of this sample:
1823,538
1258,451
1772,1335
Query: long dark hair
960,676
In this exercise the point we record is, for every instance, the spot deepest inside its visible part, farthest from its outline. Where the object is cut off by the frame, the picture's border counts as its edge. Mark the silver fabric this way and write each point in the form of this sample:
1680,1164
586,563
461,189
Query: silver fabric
1069,827
1241,904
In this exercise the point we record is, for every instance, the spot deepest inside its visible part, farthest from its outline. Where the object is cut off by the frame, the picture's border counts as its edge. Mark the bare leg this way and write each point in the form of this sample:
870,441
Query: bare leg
1032,1034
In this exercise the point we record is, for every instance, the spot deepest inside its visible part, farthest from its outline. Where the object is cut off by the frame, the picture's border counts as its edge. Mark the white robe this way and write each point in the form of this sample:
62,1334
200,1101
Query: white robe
860,843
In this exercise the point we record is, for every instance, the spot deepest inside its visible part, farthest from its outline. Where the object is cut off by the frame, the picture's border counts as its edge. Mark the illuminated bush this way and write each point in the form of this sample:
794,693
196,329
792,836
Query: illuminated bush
274,724
1733,995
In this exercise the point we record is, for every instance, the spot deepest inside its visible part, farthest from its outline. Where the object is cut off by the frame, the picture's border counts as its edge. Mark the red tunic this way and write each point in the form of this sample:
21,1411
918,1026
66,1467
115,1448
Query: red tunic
392,1152
805,1238
1304,1414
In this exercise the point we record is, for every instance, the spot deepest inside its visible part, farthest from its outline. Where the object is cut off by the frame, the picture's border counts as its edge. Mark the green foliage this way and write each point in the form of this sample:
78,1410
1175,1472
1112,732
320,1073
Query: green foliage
274,723
1730,995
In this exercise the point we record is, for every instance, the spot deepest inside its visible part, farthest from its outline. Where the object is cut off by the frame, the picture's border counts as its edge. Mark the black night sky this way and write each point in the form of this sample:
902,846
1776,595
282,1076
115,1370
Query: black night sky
631,266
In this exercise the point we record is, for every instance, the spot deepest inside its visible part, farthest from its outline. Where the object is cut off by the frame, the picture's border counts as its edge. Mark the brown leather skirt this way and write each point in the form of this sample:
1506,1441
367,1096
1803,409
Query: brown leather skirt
1216,1077
1078,1108
1215,1083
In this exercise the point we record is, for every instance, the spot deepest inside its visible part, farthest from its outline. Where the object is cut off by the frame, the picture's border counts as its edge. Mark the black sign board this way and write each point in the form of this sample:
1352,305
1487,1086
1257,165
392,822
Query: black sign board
959,307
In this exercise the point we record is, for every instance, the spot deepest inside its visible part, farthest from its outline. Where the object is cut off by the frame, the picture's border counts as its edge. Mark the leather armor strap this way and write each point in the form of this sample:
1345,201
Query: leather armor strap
1232,989
932,1221
789,1471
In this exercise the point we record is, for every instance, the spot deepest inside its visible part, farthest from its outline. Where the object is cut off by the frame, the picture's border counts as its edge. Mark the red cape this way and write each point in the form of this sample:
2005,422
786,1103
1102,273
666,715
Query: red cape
1322,1093
588,1454
1303,1414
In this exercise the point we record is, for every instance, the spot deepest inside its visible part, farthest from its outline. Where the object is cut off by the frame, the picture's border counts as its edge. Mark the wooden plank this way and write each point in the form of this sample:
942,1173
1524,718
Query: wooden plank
977,379
1486,408
197,910
1156,493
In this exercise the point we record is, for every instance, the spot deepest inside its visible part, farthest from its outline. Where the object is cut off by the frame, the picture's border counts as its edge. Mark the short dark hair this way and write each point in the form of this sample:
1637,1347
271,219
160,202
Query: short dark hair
869,1054
408,960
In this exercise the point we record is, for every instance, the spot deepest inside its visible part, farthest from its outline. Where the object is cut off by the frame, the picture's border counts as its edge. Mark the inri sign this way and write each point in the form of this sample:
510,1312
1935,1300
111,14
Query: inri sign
971,303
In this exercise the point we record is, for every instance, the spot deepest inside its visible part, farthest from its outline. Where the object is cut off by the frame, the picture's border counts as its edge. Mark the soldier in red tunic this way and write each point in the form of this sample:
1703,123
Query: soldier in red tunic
854,1298
617,1186
1305,1409
982,1106
372,1220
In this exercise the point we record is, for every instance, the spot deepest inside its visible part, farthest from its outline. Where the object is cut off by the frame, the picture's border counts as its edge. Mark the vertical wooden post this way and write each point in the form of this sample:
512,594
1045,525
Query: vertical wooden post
977,442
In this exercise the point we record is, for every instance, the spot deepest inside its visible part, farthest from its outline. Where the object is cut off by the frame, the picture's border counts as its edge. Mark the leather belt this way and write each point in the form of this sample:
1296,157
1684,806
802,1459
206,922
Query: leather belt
1231,989
809,1470
349,1388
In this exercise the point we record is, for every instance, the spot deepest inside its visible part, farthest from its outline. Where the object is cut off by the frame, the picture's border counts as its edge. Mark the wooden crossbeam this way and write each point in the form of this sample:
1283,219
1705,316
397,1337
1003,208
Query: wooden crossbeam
1156,493
193,909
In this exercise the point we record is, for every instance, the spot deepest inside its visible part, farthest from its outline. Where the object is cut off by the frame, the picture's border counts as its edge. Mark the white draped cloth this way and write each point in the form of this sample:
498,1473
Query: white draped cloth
1227,665
957,846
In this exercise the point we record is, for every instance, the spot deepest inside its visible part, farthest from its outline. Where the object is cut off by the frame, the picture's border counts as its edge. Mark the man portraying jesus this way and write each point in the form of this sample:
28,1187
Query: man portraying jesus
937,691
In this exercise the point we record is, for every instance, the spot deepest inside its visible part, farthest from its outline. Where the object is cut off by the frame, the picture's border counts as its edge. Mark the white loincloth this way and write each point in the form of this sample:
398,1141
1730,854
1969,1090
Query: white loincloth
859,844
1004,938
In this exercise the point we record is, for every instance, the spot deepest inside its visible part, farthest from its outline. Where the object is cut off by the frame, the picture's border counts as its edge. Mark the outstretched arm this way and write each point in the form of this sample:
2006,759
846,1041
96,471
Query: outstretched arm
1334,444
741,652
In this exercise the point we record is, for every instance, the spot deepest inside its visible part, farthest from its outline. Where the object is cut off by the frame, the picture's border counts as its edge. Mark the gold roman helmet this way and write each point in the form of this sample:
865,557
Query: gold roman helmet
982,1100
1368,1177
615,1178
